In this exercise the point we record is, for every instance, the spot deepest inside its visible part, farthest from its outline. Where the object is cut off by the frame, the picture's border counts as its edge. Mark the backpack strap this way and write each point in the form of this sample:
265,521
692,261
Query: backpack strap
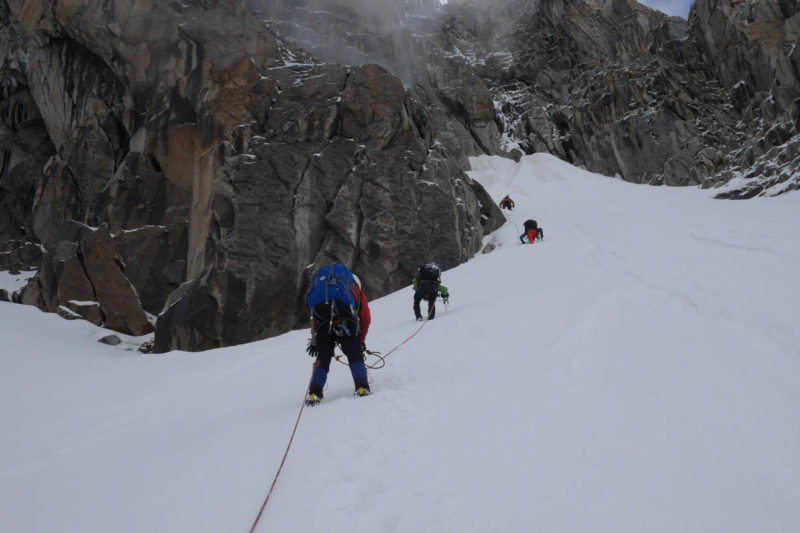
357,310
328,282
333,303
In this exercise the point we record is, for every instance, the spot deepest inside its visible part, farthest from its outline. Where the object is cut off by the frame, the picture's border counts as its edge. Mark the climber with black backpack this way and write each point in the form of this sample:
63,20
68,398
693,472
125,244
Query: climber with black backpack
532,232
339,316
427,286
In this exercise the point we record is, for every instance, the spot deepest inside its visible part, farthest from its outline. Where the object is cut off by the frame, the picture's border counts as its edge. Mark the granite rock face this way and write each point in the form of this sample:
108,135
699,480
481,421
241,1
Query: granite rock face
755,51
404,37
182,167
609,85
342,172
624,90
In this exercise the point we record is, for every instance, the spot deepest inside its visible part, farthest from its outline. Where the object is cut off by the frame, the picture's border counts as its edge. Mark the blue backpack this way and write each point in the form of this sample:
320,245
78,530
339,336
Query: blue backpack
330,285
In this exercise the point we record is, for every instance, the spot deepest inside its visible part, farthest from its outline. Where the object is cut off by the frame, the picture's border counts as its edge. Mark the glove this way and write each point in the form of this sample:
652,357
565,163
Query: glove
312,347
446,297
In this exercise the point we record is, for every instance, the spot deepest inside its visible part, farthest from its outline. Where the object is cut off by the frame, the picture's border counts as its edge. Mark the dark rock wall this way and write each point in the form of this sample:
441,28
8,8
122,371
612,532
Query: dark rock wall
755,52
188,167
340,172
621,89
606,84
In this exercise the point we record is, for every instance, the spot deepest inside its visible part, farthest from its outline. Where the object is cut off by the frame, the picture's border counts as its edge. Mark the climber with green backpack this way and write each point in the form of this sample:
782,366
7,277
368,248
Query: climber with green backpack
427,286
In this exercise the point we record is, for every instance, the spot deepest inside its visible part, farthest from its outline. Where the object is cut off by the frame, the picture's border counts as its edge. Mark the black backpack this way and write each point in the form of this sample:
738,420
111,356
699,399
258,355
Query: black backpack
430,274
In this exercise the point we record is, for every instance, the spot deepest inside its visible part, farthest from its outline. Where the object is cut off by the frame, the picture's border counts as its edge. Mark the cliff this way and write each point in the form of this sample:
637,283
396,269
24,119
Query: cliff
182,167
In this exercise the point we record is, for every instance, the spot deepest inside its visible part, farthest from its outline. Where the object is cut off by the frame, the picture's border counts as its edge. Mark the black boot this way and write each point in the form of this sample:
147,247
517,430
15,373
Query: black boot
362,387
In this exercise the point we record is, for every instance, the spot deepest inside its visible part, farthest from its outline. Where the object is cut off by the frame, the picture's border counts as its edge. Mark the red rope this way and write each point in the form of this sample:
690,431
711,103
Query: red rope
285,454
297,423
405,341
430,311
383,357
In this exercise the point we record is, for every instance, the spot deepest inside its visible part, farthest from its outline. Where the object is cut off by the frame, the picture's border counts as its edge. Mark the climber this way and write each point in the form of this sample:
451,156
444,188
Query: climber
427,286
532,232
339,316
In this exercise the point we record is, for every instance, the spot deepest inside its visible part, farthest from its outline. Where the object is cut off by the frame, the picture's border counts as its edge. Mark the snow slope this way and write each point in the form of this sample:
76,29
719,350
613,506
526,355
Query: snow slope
638,370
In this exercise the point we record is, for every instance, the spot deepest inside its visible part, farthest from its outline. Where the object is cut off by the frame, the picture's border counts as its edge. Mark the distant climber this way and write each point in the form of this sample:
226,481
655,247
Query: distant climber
427,286
532,232
507,203
339,315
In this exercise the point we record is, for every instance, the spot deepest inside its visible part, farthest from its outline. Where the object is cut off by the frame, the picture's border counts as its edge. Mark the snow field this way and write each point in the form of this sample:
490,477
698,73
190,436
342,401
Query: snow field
637,370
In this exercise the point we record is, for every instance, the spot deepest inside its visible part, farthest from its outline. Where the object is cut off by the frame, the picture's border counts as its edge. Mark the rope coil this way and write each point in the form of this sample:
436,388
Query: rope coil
382,358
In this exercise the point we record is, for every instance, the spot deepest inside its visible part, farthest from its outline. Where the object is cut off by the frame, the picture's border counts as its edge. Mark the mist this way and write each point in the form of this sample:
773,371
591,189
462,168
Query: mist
354,32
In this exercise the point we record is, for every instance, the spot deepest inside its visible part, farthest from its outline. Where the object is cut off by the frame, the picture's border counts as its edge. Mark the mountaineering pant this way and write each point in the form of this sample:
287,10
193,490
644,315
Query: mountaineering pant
427,294
350,343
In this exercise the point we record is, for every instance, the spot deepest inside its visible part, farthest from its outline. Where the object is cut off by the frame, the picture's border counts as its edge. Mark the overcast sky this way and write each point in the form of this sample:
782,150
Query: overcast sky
678,8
